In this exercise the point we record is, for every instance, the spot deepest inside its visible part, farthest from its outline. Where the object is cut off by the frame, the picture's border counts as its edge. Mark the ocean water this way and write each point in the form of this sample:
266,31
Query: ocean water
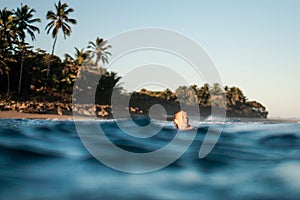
46,159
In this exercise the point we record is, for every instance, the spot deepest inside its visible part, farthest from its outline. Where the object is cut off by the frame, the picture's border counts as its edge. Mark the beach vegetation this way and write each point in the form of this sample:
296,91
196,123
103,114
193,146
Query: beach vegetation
99,52
25,74
59,20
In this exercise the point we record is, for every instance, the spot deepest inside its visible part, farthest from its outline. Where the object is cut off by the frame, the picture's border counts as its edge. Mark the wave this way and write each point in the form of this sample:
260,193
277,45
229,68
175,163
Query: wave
249,160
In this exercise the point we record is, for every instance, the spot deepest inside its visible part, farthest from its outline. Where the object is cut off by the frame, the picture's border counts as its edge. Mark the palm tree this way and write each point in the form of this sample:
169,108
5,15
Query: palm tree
7,30
99,51
59,20
7,38
242,98
168,94
186,95
4,69
204,95
23,20
216,89
234,95
105,87
80,56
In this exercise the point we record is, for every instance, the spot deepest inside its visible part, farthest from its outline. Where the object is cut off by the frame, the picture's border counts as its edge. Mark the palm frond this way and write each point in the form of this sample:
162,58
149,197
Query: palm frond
72,21
69,10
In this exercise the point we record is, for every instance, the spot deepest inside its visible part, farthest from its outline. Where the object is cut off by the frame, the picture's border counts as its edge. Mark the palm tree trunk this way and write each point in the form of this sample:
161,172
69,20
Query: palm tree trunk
21,72
53,47
8,85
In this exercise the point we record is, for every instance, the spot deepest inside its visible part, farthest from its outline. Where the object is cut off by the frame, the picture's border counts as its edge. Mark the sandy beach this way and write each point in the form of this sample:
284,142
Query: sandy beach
18,115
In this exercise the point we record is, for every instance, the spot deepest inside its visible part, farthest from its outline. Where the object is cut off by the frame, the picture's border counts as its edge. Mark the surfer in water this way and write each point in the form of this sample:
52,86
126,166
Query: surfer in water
181,121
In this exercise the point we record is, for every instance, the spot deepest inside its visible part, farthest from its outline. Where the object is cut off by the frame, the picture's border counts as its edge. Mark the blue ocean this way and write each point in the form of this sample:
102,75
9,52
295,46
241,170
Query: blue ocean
46,159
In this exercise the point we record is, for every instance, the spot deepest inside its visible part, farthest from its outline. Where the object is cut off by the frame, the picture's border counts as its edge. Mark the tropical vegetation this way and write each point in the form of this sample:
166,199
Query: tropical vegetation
59,20
25,73
18,59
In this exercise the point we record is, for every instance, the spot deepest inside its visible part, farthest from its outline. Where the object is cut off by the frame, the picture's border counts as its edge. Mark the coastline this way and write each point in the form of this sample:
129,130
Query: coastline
20,115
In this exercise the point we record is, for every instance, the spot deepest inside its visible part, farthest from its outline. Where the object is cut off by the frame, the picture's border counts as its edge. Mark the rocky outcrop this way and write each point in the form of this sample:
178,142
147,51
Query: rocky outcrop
249,109
56,108
139,104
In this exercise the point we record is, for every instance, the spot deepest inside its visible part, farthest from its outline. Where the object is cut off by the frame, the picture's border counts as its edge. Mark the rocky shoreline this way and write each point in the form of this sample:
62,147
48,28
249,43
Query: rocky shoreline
104,111
55,108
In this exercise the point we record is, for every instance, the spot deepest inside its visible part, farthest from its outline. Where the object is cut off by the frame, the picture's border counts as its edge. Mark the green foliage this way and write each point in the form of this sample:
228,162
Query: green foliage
167,94
7,31
186,95
59,20
98,51
39,82
203,94
105,87
216,90
234,95
24,20
23,67
80,57
14,26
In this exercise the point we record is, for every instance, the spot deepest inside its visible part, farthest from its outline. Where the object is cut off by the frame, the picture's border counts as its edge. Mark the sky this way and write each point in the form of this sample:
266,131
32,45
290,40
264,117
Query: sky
254,44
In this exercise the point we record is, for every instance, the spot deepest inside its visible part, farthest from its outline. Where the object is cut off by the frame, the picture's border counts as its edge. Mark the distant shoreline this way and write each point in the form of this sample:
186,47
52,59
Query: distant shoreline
19,115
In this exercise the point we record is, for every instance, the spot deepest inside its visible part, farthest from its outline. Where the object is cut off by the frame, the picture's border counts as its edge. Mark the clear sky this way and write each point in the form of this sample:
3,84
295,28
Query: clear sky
255,44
